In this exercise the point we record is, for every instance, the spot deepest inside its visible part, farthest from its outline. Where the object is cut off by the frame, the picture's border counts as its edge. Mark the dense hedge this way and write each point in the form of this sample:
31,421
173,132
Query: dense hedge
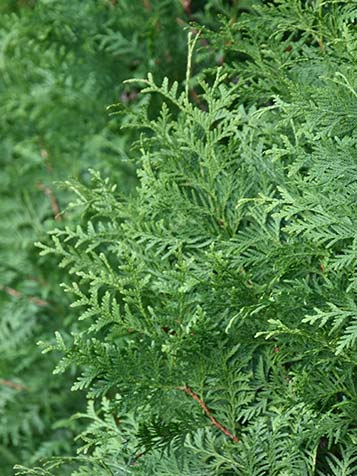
213,320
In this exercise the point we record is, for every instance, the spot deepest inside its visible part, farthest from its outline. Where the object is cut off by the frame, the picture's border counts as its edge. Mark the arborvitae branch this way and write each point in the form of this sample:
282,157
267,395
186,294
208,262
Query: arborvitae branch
214,421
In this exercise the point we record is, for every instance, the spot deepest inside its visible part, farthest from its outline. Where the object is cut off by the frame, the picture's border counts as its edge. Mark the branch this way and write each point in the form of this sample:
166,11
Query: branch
14,385
202,404
186,4
54,204
147,5
16,294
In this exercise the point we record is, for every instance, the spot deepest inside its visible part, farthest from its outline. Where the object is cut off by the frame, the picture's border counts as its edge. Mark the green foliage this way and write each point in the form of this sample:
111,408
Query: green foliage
217,306
61,64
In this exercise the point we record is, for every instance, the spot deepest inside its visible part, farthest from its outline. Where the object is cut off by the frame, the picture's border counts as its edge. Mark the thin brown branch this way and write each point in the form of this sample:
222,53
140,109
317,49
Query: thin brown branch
134,462
46,157
321,44
214,421
147,5
10,384
54,204
186,4
16,294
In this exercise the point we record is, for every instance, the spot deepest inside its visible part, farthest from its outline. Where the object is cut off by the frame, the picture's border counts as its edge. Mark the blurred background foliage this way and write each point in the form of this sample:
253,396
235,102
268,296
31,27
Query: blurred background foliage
61,64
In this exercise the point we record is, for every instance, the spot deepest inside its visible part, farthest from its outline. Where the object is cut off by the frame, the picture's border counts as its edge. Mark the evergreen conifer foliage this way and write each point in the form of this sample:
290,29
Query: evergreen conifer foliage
217,305
61,64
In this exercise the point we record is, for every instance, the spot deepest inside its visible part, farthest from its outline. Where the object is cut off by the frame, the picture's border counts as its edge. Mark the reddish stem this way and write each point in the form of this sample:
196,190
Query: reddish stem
13,385
54,204
214,421
186,4
147,5
16,294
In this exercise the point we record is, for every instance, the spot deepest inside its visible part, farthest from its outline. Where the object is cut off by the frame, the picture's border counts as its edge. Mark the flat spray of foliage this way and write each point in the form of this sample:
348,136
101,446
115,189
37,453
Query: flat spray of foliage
217,306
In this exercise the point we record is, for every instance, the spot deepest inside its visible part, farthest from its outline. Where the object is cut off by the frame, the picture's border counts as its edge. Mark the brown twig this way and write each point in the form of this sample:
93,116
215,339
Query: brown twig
134,462
54,204
16,294
147,5
321,44
214,421
13,385
186,4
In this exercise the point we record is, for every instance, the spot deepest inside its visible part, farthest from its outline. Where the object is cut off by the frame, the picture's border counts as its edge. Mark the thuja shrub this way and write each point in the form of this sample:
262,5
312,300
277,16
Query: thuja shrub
217,305
61,64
